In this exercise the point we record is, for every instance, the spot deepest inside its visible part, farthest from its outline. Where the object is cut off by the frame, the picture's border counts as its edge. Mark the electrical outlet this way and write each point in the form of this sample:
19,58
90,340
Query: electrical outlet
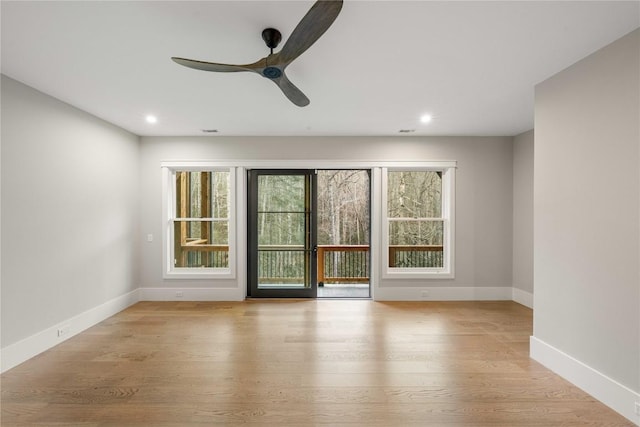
63,330
424,294
637,408
149,237
179,294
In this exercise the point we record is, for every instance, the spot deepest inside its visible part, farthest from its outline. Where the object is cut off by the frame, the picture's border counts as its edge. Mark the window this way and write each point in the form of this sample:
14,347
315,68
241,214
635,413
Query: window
418,222
198,209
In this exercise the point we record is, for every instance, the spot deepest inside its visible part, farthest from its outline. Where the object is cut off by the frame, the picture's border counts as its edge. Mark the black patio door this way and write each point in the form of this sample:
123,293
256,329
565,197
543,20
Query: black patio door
282,233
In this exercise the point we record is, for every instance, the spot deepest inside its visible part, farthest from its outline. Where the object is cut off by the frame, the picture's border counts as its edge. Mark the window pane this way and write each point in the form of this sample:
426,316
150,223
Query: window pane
201,232
220,198
206,247
416,244
414,194
202,194
411,257
220,232
412,232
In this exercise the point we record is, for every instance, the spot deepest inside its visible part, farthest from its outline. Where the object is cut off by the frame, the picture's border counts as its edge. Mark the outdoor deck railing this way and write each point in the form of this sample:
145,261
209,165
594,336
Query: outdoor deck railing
281,264
343,264
336,263
197,253
416,256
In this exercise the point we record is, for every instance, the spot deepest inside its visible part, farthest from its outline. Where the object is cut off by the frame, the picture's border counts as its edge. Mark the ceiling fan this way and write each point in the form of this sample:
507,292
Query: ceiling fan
313,25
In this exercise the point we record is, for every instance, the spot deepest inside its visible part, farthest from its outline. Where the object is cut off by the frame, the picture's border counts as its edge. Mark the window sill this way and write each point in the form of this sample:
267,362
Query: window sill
200,273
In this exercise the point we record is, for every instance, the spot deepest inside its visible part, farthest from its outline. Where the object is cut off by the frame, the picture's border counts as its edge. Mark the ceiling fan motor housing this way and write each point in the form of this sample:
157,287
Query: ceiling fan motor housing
271,37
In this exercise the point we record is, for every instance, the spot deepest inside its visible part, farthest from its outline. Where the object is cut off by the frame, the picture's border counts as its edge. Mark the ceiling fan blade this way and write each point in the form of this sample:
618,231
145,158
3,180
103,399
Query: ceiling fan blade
317,20
294,94
211,66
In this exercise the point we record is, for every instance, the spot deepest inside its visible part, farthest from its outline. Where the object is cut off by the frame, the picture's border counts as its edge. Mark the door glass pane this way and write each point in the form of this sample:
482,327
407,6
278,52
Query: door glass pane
282,231
281,268
281,228
281,193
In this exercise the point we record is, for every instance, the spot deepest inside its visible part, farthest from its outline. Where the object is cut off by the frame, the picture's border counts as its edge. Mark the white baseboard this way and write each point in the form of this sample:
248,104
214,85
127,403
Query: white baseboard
462,293
29,347
191,294
613,394
523,297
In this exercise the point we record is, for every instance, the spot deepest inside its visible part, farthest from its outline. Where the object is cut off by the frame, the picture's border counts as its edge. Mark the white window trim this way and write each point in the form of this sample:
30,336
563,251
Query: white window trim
169,271
238,221
448,214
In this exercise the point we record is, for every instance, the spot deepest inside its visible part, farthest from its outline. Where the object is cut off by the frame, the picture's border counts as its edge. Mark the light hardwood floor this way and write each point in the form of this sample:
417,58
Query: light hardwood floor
300,363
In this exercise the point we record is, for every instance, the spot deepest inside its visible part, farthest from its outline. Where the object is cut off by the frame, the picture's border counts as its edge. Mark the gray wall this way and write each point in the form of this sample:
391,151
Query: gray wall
483,193
523,212
69,211
75,189
586,210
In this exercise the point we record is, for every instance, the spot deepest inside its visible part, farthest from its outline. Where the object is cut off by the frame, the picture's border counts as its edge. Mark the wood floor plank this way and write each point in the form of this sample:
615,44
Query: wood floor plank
299,363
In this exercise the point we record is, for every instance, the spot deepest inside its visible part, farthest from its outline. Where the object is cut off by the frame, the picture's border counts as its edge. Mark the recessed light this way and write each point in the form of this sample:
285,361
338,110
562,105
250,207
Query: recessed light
151,119
426,118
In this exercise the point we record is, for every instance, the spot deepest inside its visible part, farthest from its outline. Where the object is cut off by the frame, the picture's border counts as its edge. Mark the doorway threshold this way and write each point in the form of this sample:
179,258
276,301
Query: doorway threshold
339,291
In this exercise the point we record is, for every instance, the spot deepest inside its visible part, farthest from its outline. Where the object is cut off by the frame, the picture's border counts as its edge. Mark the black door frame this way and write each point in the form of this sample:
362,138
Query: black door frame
253,291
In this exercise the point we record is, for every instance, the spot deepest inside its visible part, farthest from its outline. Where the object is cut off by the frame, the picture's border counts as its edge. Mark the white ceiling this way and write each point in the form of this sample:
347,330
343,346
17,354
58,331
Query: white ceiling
472,65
